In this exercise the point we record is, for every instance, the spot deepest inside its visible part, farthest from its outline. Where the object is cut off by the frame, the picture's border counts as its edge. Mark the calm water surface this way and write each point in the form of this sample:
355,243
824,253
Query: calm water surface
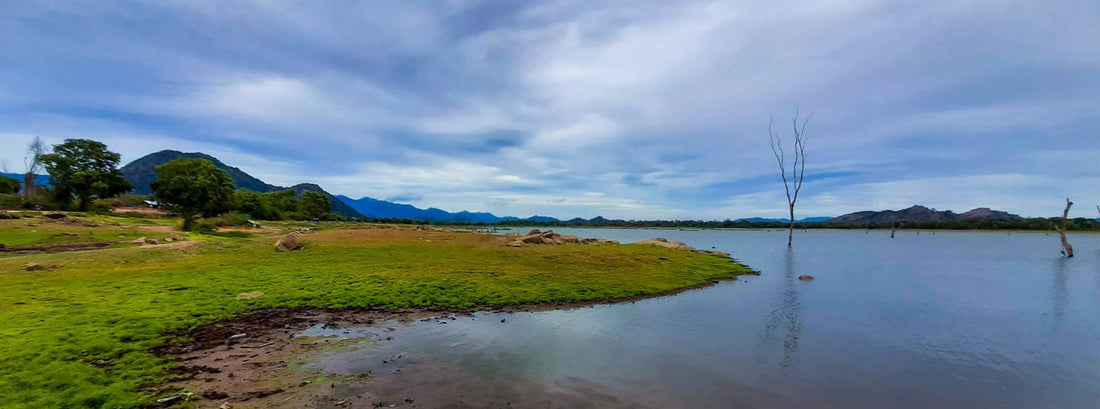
944,320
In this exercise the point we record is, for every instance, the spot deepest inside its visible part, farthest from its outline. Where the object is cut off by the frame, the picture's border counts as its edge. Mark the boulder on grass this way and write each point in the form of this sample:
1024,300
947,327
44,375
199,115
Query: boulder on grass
657,241
288,242
533,239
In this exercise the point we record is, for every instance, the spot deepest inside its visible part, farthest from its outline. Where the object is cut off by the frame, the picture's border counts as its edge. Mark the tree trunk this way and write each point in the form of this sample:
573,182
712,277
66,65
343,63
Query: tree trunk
1065,244
188,221
1062,231
28,185
790,233
894,227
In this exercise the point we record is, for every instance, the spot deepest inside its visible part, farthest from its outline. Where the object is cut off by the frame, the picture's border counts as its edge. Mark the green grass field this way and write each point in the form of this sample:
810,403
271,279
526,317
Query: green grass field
80,335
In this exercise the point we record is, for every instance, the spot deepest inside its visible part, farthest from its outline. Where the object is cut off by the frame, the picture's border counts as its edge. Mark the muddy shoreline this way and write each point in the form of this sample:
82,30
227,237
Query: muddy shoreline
252,361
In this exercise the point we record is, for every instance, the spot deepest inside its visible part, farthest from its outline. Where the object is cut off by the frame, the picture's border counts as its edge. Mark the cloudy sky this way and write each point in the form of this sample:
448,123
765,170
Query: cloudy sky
640,109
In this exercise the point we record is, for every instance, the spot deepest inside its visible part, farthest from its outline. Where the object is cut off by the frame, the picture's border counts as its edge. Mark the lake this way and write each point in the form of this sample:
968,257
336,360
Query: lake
928,320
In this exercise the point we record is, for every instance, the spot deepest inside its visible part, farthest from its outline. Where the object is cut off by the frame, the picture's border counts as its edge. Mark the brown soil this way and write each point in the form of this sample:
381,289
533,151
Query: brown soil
139,210
158,228
249,361
55,248
172,245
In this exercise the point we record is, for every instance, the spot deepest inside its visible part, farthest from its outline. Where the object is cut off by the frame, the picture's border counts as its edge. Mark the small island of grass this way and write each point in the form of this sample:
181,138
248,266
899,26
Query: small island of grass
80,327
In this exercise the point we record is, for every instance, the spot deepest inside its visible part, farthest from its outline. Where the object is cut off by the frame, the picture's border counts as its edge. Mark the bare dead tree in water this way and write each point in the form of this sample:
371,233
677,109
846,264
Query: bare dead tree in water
33,162
798,168
894,227
1068,252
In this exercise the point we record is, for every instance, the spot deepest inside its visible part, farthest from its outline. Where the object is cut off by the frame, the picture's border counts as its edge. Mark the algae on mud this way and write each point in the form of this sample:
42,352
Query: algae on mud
81,335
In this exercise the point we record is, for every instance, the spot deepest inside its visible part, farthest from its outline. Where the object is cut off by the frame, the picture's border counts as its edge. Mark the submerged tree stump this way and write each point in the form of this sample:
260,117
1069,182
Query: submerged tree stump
1062,230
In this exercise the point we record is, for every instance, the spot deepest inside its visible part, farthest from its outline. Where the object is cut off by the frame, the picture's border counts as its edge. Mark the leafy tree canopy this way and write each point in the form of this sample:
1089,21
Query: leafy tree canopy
194,186
9,185
313,205
256,205
85,169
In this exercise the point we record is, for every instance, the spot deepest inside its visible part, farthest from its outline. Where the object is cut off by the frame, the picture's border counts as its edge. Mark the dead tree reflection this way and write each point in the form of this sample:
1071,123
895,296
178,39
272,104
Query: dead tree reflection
784,318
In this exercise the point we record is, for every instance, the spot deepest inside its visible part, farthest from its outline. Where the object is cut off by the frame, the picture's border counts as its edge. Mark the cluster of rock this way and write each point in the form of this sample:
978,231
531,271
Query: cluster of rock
537,236
147,241
679,245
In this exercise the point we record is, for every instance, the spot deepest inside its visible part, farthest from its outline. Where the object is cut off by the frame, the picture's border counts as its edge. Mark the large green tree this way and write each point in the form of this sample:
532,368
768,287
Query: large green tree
313,205
84,169
255,205
193,186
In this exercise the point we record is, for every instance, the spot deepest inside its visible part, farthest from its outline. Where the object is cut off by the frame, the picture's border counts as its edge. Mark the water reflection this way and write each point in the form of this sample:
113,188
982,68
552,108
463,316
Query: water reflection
784,316
1058,290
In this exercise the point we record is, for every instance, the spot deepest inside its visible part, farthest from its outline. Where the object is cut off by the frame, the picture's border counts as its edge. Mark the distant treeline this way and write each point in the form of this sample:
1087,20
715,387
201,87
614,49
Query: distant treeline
1038,223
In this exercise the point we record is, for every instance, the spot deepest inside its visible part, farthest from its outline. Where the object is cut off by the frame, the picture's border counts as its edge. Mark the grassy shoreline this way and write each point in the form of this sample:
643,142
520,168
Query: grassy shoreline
80,335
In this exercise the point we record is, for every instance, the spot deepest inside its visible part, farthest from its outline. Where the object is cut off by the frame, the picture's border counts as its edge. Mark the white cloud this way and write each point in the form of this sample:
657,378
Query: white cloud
587,132
588,108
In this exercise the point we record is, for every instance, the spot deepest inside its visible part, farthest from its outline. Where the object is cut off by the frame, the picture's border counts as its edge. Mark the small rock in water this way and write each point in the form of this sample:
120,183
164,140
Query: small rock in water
805,277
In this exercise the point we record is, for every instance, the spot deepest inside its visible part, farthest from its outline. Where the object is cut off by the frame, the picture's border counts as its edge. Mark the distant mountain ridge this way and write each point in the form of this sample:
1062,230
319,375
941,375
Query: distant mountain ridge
39,180
785,220
920,213
142,171
381,209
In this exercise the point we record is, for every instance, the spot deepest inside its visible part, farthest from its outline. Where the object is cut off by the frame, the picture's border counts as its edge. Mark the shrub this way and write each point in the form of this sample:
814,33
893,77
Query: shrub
9,185
11,201
126,200
225,220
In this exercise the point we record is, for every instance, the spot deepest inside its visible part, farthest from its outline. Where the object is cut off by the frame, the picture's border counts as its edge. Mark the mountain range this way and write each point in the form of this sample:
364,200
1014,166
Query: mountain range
144,170
920,213
39,180
381,209
802,220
